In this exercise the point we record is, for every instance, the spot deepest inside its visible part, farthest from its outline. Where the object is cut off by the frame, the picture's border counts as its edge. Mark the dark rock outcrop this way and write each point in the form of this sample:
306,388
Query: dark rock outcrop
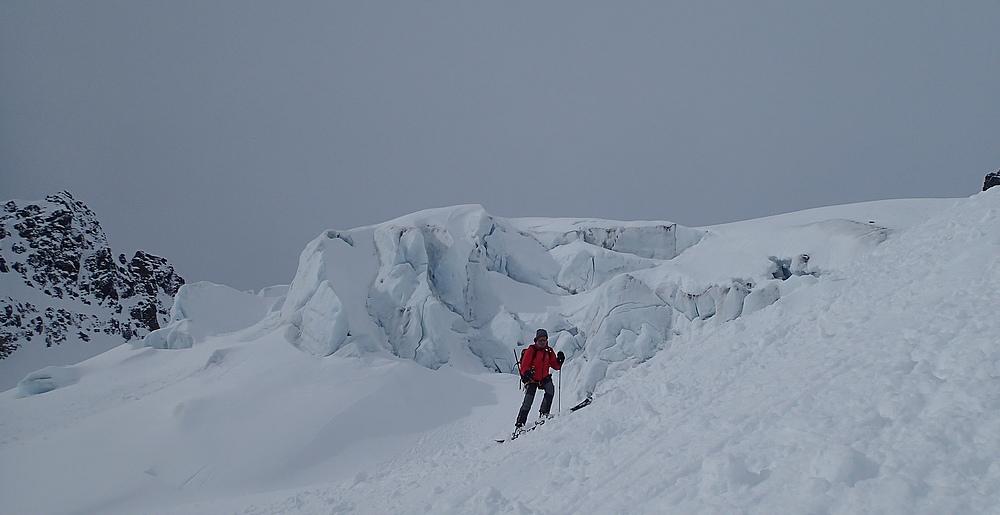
57,248
992,179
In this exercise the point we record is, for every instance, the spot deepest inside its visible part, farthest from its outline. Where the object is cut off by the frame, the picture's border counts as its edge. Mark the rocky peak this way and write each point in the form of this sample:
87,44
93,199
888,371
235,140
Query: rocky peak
49,242
57,248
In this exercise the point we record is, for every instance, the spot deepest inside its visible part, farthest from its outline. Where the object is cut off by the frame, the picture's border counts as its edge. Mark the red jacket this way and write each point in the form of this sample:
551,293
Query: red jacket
540,359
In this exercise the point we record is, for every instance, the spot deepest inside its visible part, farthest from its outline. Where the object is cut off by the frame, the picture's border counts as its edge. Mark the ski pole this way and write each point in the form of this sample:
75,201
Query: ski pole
516,368
559,409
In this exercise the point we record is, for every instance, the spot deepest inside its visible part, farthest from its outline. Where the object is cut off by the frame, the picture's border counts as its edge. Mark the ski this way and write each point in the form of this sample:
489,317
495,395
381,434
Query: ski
516,434
586,402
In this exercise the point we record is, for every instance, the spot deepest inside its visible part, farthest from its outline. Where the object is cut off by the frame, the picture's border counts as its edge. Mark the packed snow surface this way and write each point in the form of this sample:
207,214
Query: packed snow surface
837,360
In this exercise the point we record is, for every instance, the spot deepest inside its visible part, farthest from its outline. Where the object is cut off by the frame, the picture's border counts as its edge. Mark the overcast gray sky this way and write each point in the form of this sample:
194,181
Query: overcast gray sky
225,136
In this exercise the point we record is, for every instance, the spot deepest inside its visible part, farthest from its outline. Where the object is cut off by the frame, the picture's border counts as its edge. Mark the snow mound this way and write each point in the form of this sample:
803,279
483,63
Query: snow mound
48,379
206,309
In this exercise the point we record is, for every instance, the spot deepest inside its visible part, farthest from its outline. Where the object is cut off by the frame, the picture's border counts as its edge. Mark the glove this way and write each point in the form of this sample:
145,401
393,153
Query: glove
560,357
528,376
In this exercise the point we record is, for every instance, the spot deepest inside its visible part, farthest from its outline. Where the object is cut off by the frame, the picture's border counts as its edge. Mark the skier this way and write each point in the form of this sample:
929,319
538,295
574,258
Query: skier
535,363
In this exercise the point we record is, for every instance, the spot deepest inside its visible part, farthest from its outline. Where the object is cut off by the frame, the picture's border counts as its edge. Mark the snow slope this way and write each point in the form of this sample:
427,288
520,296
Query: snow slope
862,380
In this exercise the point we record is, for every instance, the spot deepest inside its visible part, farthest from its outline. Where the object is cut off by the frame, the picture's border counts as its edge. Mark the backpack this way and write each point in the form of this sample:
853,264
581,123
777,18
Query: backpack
517,365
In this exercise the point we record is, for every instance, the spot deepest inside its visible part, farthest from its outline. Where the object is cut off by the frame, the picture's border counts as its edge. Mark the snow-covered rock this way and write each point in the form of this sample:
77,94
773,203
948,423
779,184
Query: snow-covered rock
60,282
991,180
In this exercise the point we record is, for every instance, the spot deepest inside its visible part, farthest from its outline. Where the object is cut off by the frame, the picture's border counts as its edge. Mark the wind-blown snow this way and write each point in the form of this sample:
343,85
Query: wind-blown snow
732,376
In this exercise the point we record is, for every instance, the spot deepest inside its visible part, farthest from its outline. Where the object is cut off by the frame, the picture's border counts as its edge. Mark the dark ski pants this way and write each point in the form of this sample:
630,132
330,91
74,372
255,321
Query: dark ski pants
529,398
